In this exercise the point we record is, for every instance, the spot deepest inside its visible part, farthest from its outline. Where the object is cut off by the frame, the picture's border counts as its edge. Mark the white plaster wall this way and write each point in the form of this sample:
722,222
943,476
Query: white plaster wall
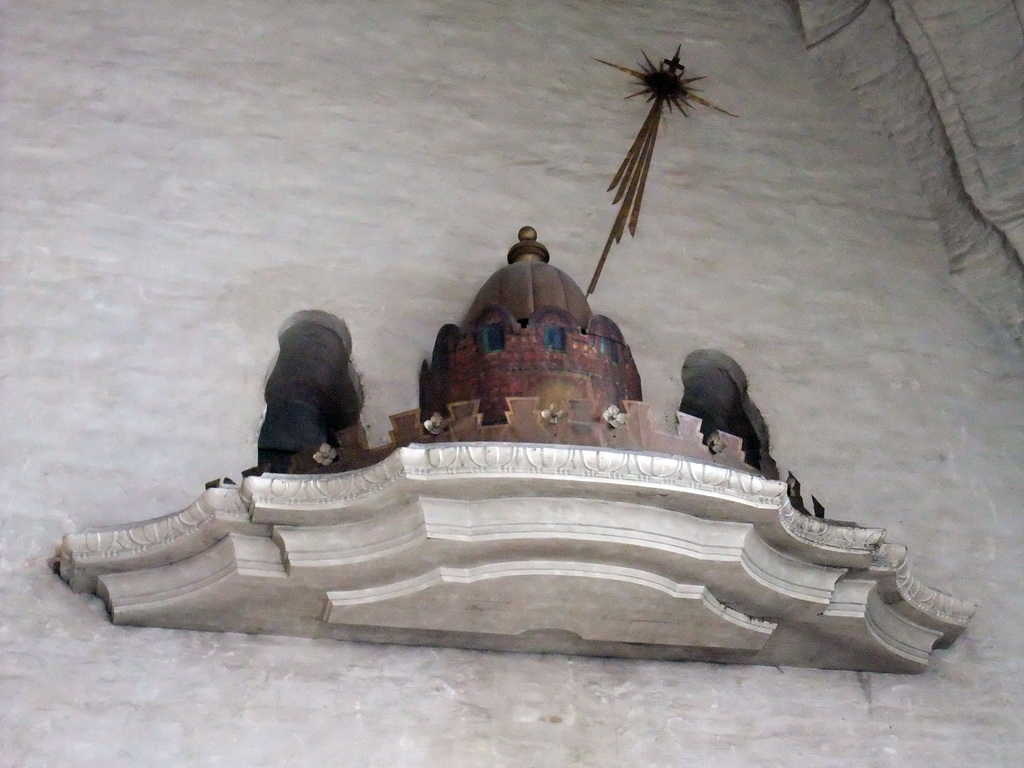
179,177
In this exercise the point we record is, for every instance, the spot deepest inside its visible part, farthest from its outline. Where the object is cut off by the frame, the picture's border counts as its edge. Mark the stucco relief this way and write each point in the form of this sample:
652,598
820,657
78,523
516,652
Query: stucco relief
527,547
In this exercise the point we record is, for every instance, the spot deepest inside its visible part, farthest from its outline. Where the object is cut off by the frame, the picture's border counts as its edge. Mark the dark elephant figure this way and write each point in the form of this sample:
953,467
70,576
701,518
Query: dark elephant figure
715,390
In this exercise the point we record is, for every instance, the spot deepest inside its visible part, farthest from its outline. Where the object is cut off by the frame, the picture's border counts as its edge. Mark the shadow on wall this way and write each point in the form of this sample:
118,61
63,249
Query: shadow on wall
313,391
715,390
944,81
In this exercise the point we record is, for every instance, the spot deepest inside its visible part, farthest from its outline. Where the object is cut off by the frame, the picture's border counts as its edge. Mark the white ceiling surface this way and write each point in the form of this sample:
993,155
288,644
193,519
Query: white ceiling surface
945,79
179,178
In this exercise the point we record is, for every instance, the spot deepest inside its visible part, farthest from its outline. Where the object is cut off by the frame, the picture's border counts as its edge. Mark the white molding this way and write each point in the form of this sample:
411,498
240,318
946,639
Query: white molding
527,547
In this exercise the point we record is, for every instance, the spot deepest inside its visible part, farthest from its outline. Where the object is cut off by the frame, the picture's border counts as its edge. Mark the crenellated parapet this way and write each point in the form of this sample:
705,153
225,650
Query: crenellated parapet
549,355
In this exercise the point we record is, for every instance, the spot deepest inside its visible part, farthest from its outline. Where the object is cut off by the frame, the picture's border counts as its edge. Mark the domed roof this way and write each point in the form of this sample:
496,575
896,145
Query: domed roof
529,283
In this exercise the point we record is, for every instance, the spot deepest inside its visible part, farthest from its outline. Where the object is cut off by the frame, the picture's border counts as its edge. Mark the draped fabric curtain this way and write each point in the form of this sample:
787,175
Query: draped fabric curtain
945,79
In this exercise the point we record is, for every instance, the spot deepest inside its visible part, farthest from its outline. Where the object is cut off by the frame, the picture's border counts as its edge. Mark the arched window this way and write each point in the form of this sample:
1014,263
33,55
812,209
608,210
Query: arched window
609,349
493,337
554,338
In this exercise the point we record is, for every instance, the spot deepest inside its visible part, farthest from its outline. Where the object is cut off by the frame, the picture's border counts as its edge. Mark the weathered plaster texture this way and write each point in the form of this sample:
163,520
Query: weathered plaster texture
944,78
179,178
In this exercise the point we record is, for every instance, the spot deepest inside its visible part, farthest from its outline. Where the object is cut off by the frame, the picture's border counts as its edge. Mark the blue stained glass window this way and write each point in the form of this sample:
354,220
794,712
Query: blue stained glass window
554,338
609,349
493,337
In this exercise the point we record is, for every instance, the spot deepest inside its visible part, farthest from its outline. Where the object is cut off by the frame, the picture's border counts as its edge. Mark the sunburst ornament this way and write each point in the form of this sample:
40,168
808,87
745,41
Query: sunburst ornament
667,86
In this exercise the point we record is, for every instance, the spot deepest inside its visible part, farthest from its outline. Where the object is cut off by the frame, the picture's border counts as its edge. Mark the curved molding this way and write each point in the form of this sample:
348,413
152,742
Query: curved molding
536,518
924,601
139,538
346,544
283,498
858,598
533,526
533,547
557,461
317,491
901,637
636,605
788,575
158,541
182,584
825,534
931,601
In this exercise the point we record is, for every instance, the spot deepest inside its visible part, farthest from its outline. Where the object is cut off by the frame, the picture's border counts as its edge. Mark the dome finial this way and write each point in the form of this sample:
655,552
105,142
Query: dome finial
528,249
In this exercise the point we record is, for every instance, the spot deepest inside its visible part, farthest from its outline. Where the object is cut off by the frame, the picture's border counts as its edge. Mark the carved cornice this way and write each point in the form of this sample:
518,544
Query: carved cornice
583,465
583,462
824,534
554,536
317,491
157,541
943,608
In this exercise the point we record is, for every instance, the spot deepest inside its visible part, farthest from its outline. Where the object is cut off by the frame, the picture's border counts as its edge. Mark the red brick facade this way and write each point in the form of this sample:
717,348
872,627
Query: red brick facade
498,357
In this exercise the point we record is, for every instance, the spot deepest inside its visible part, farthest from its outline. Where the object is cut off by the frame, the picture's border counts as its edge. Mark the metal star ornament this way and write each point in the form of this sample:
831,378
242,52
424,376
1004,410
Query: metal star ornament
667,86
